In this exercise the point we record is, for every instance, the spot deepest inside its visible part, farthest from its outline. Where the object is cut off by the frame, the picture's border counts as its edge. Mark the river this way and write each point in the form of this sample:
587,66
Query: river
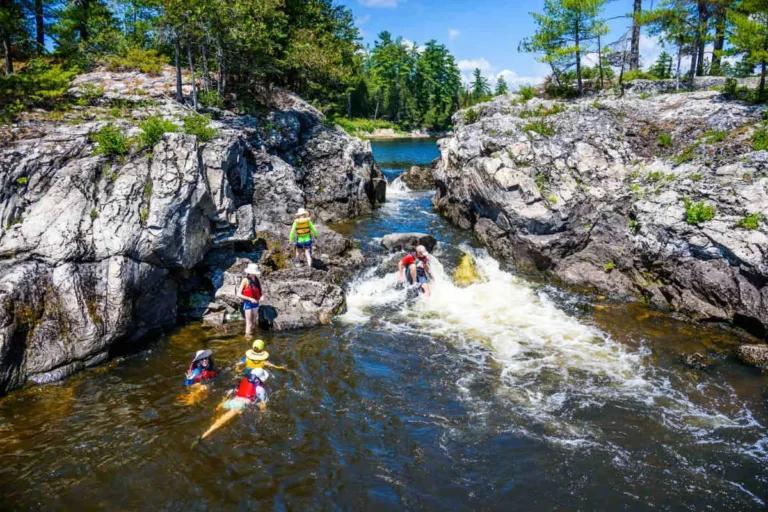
508,394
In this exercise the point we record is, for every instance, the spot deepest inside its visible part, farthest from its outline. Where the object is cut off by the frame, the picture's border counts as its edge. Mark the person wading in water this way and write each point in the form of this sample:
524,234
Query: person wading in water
416,268
251,294
302,231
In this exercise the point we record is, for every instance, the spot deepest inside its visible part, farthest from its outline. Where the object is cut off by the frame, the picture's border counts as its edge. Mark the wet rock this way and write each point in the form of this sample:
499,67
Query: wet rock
600,203
466,273
408,241
753,355
419,178
97,250
293,298
695,361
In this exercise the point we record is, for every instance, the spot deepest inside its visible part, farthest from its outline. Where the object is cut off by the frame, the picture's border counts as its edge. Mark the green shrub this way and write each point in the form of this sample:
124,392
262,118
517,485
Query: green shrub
750,221
110,141
633,226
714,136
731,87
210,99
687,155
471,116
152,130
148,189
696,213
644,95
197,124
552,199
654,176
760,138
609,266
540,127
637,74
94,214
143,215
22,181
89,93
635,188
696,177
527,92
136,59
40,84
665,140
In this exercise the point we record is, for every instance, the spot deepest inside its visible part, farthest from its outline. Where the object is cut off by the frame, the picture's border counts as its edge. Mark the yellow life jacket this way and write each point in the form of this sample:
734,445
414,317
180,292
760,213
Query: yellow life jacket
252,365
302,226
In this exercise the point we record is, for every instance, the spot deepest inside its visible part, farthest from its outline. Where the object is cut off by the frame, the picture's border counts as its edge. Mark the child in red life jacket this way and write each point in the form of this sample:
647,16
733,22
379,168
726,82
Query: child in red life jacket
251,390
415,267
201,368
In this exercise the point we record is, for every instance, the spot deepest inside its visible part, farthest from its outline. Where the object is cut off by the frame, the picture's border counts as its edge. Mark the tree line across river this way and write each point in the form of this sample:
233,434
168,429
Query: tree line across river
313,47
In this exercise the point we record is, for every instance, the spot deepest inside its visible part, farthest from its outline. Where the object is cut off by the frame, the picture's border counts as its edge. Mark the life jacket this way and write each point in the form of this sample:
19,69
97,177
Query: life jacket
250,364
302,227
253,290
204,374
247,389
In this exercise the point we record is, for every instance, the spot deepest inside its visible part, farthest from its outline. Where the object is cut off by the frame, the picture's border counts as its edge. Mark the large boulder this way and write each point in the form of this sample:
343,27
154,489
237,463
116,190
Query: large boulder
613,194
97,250
293,298
419,178
408,241
753,355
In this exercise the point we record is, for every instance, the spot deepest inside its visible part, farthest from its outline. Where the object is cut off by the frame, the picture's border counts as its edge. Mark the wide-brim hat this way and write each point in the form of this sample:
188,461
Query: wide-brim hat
257,356
302,212
260,373
253,269
202,354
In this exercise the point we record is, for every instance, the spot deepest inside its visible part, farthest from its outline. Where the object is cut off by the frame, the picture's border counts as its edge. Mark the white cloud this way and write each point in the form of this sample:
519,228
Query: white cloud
362,20
453,34
379,3
470,65
514,80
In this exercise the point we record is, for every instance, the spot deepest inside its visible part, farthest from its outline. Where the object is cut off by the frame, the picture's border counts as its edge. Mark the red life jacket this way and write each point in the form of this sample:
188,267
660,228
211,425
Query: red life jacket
247,389
203,375
253,290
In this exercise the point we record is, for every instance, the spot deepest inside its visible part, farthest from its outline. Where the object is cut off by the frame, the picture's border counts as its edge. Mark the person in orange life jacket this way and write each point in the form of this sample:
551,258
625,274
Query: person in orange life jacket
250,292
201,368
250,390
416,268
302,231
257,357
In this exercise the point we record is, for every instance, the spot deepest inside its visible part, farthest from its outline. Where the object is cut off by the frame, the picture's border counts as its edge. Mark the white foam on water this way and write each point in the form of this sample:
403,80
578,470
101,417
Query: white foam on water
551,364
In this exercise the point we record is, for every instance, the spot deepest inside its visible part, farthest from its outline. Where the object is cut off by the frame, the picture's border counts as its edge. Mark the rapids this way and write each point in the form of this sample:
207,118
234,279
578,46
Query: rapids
508,393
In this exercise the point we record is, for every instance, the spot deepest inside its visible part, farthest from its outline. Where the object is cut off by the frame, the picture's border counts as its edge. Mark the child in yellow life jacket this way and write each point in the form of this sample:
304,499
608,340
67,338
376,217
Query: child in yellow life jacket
257,358
302,231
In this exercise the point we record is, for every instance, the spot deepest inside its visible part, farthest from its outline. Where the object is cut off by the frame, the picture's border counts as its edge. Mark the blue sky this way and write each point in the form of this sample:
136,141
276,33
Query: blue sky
479,33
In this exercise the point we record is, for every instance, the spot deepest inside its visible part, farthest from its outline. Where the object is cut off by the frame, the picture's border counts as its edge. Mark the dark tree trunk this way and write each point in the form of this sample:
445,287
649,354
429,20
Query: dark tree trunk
578,62
82,28
349,104
762,80
177,48
378,101
694,59
221,84
701,34
600,61
7,51
634,52
191,62
204,58
39,27
720,23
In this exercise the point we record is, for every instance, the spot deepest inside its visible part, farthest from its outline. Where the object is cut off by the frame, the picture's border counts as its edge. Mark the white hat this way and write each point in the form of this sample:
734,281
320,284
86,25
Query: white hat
302,212
421,249
260,373
253,269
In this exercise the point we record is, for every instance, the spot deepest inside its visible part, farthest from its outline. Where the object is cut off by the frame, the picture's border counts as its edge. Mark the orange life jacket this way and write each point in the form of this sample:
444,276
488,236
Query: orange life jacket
302,226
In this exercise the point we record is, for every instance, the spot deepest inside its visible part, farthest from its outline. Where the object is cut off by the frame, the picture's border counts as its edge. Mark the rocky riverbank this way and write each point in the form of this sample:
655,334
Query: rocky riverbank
97,251
662,198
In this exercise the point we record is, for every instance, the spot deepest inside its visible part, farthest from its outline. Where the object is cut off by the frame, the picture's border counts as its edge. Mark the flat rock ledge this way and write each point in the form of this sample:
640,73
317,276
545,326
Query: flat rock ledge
408,241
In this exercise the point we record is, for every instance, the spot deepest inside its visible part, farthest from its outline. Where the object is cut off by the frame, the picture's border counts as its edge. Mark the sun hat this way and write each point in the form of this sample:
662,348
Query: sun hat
420,249
260,373
302,212
253,269
202,354
258,345
254,355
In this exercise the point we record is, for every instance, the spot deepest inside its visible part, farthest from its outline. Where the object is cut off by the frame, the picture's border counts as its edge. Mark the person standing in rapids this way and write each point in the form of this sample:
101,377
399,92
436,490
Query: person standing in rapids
415,267
302,231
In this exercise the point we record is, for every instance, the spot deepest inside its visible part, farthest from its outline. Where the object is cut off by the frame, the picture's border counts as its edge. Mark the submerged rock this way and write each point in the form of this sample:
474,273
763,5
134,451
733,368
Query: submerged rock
615,194
408,241
100,250
419,178
753,355
466,273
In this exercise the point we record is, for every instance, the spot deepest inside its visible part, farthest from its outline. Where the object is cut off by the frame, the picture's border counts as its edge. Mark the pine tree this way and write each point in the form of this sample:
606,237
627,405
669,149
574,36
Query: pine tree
501,87
662,69
481,87
749,34
565,33
676,23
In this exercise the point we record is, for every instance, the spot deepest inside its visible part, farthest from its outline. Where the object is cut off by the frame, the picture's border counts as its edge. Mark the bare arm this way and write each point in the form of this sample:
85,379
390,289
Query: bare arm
274,366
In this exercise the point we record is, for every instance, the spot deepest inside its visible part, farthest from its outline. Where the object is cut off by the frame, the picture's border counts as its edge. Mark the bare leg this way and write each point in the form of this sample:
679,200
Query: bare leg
425,287
412,270
248,320
298,256
308,254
